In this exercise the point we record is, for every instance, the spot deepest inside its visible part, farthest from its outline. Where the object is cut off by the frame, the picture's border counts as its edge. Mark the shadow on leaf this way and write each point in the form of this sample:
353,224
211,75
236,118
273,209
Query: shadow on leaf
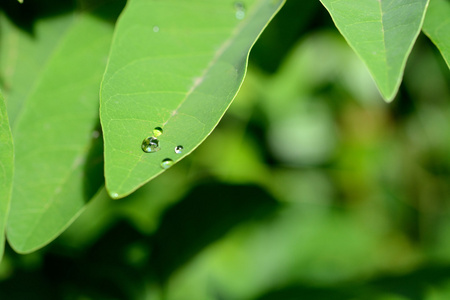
93,167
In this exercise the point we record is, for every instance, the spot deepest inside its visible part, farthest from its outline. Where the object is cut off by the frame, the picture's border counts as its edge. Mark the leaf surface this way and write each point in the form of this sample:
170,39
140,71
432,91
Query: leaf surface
55,155
23,55
6,170
177,65
437,26
382,33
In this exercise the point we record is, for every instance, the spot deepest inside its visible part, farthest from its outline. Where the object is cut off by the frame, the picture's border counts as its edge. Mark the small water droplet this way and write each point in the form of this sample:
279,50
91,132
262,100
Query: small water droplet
150,145
166,163
95,134
114,195
179,149
157,131
240,10
155,28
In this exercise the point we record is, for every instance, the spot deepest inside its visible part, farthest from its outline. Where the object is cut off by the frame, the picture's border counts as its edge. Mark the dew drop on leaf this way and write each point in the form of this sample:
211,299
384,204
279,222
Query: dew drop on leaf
240,10
150,145
166,163
179,149
155,28
157,131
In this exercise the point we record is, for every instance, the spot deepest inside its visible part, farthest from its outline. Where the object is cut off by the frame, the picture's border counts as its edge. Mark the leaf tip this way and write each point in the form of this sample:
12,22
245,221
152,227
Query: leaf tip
114,195
388,99
389,96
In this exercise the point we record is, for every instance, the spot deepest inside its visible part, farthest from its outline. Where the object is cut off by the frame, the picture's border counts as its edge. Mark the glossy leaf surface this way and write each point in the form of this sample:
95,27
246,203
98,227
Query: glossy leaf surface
176,65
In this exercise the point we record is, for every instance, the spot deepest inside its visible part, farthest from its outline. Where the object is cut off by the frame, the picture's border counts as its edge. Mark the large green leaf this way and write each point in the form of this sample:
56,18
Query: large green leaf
53,134
6,170
177,65
437,26
382,33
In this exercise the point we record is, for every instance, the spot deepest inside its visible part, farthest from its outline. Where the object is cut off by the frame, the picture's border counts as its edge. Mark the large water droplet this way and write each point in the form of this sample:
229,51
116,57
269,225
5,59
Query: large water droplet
166,163
179,149
240,10
157,131
150,145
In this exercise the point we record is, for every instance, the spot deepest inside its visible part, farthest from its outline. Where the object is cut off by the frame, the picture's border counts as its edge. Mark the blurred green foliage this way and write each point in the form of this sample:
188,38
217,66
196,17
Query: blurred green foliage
311,187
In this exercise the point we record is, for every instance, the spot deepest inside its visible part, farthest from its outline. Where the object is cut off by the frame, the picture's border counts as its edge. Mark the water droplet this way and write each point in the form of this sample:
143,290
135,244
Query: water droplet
166,163
179,149
114,195
240,10
155,28
150,145
95,134
157,131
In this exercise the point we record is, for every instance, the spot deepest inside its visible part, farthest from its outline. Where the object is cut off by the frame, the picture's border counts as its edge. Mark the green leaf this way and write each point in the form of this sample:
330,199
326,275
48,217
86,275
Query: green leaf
177,65
24,55
53,134
6,170
382,33
437,26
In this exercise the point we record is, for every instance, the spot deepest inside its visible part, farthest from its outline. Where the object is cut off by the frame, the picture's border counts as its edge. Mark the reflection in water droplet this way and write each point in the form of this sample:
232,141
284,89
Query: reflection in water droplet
150,145
155,28
240,10
157,131
166,163
179,149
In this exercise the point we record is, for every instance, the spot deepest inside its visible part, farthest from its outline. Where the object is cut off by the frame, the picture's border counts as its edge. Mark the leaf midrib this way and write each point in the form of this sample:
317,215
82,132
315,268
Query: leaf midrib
76,163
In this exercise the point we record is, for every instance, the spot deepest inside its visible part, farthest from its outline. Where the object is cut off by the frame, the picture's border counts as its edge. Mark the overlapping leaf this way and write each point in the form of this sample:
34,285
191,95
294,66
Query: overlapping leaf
437,26
382,33
177,65
6,170
53,130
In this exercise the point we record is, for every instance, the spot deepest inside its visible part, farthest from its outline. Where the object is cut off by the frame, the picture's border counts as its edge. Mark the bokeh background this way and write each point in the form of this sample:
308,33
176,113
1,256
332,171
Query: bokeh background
311,187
